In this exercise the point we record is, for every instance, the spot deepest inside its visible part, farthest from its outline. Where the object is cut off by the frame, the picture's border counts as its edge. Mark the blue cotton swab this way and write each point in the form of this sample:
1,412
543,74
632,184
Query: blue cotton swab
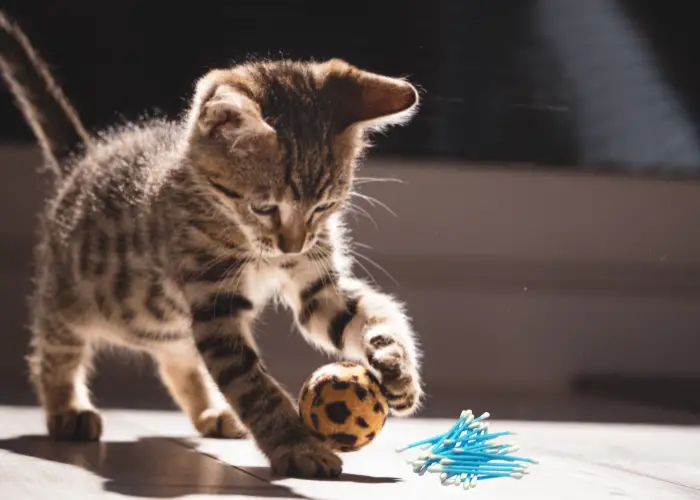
464,416
468,452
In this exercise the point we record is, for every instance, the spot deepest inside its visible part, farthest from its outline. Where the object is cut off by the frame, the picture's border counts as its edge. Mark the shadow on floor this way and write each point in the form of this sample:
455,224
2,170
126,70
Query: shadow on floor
265,473
153,467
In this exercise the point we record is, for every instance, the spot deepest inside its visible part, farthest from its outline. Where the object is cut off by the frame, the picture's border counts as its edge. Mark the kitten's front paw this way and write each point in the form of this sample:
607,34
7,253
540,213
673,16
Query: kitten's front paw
403,395
307,457
220,424
400,380
75,425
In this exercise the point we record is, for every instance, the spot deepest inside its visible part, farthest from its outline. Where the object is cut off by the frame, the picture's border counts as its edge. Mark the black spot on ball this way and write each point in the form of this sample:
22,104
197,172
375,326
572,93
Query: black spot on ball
314,420
361,392
374,379
344,439
339,385
378,408
362,422
318,388
370,436
338,412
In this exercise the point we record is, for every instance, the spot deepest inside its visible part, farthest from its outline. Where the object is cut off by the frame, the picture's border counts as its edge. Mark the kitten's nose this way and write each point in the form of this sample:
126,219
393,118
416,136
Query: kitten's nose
291,240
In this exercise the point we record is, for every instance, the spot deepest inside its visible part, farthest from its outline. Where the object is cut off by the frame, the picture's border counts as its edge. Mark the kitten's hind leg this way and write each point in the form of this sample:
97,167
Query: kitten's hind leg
59,364
192,387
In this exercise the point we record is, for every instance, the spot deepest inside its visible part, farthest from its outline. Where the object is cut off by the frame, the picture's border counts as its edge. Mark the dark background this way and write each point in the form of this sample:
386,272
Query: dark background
550,82
542,286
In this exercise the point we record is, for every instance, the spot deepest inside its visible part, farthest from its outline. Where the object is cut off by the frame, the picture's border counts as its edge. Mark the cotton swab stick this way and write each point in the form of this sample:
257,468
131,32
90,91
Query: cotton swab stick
468,453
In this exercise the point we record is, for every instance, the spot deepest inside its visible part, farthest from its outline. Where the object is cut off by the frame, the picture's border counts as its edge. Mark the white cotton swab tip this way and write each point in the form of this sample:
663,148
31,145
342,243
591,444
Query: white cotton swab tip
465,414
468,451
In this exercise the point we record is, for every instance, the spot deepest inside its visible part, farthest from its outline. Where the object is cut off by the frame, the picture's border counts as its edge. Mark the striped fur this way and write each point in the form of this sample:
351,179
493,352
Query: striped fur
171,237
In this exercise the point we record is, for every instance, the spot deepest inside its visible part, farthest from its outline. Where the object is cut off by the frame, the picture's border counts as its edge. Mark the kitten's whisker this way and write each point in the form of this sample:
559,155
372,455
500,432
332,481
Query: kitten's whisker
210,265
367,180
355,253
325,270
364,212
369,274
229,275
373,201
362,245
352,211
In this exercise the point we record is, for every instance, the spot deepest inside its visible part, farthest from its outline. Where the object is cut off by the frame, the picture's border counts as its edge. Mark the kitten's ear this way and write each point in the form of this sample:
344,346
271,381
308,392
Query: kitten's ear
223,107
367,99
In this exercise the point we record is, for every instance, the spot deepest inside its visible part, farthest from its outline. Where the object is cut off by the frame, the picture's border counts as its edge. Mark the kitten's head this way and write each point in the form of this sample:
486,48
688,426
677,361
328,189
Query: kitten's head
277,143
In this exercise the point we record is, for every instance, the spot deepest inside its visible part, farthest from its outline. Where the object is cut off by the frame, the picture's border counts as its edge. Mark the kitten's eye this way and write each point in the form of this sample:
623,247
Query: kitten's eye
223,189
324,208
263,209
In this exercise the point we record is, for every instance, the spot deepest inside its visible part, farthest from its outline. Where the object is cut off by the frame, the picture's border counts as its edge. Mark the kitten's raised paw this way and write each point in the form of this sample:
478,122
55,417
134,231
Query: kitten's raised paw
307,459
75,425
403,400
221,424
400,383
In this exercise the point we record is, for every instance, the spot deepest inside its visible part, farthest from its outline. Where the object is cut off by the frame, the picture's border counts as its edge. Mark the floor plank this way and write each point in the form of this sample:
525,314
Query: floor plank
130,462
157,455
583,460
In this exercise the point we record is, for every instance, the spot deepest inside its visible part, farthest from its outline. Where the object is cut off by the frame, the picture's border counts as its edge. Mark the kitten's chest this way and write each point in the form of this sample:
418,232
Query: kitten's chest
264,282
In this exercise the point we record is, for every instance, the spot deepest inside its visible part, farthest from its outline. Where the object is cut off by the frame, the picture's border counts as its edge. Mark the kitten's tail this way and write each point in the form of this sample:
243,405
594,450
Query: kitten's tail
54,121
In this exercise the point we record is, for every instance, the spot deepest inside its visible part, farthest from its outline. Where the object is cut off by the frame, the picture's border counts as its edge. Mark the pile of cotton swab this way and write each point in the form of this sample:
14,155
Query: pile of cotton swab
468,453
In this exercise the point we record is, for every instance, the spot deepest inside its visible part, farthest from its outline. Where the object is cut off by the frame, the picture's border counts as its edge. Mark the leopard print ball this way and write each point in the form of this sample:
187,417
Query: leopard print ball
344,403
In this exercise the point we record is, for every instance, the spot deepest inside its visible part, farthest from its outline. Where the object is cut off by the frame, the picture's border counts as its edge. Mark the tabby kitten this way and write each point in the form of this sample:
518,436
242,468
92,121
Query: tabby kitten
170,238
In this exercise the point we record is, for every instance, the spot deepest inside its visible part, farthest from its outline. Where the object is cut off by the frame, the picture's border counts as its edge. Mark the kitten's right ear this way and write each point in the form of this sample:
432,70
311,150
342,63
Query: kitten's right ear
365,99
224,108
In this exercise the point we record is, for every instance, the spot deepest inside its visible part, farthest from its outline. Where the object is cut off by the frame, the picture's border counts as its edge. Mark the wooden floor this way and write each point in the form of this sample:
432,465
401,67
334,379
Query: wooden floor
156,455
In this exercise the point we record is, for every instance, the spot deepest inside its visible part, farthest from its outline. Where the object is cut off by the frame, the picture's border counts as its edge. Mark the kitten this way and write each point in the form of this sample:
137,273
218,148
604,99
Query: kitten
170,237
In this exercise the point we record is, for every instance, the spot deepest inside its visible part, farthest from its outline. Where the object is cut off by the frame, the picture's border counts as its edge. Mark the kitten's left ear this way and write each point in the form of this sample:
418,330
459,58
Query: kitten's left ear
224,107
366,99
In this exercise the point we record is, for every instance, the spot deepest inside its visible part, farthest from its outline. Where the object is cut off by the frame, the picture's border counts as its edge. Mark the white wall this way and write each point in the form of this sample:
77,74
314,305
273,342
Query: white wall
516,278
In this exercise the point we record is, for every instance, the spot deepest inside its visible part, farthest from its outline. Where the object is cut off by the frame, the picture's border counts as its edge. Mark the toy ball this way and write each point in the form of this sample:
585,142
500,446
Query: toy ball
343,402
